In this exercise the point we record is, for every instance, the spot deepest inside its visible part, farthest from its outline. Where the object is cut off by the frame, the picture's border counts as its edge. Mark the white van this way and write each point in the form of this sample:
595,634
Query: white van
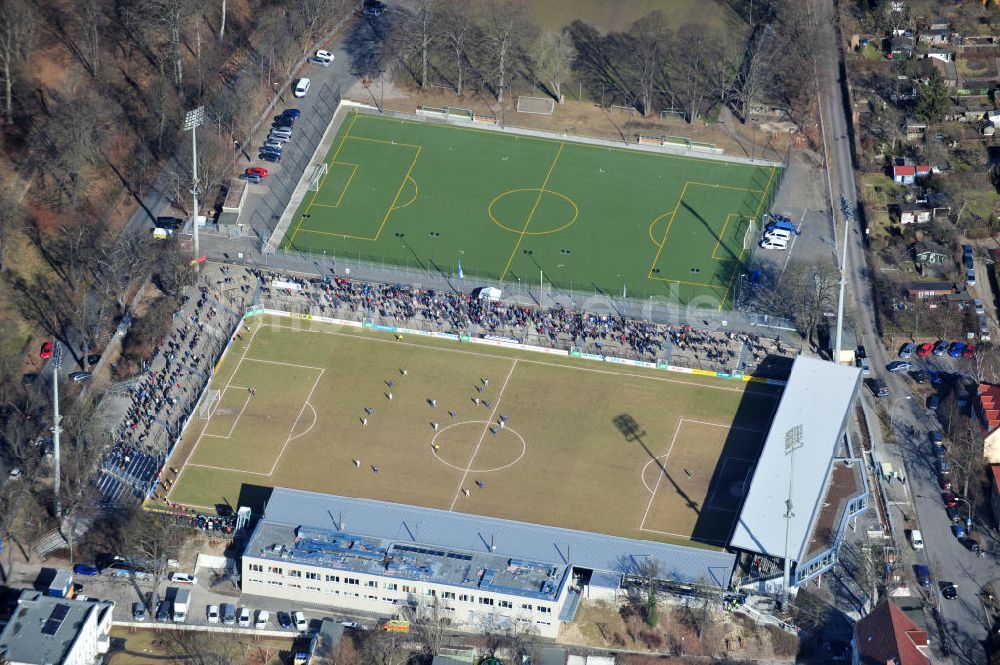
301,87
917,539
778,234
773,243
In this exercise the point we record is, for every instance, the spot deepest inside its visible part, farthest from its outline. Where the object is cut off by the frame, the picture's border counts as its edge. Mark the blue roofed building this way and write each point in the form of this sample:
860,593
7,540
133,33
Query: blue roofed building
481,572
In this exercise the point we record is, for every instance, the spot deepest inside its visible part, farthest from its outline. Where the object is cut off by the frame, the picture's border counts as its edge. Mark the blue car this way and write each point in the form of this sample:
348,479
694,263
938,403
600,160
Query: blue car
956,348
923,574
84,569
291,113
959,530
935,378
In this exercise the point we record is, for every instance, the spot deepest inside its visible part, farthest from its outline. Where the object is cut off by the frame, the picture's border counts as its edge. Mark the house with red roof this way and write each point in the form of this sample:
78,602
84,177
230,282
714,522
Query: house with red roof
907,174
887,635
988,408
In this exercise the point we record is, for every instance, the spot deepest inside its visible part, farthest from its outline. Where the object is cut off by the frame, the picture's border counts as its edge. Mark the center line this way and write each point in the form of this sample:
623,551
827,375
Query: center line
531,214
489,421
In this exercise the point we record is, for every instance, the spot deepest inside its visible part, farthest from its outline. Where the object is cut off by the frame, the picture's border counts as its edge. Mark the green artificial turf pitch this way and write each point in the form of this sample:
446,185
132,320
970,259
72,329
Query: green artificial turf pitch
628,451
590,218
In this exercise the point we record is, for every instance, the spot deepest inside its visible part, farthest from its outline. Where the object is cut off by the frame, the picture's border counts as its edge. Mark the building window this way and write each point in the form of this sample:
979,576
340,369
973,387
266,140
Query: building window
312,588
295,586
543,623
294,573
448,608
505,604
430,592
390,586
526,607
275,571
544,610
256,568
448,595
372,584
312,576
275,582
332,578
409,589
353,581
371,597
465,598
485,601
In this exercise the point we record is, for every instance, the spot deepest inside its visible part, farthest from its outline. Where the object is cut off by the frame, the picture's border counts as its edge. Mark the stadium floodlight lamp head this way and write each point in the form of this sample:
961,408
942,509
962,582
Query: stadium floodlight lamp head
194,118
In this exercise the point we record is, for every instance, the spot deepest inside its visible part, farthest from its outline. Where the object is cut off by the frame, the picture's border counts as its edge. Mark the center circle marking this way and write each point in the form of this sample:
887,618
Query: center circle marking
484,423
535,191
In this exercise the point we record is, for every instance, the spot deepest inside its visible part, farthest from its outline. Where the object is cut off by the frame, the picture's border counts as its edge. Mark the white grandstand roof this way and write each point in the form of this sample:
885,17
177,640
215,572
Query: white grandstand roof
475,533
818,396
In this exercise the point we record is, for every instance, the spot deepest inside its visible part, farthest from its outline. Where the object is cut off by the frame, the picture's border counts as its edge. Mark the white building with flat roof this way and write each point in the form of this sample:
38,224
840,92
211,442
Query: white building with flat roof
45,630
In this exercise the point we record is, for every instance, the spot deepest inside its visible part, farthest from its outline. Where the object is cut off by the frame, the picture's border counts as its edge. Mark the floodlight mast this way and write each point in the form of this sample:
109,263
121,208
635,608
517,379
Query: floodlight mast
56,429
192,121
793,441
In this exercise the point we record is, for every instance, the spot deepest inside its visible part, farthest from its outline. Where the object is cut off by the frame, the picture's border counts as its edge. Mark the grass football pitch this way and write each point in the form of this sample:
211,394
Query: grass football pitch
612,449
513,208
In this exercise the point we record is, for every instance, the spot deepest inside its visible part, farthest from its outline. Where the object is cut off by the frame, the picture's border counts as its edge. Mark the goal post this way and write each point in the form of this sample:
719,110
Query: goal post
316,179
536,105
211,399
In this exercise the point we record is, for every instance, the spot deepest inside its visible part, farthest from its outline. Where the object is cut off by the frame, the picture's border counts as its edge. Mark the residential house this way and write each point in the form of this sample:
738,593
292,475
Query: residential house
939,23
995,492
944,55
887,635
900,47
946,68
925,256
988,410
907,174
935,37
914,213
924,290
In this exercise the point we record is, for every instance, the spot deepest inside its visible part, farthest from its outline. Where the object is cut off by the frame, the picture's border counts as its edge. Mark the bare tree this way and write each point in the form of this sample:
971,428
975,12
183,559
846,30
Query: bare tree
201,648
756,77
804,294
455,27
170,16
11,218
553,57
91,17
68,141
18,21
505,26
648,38
151,539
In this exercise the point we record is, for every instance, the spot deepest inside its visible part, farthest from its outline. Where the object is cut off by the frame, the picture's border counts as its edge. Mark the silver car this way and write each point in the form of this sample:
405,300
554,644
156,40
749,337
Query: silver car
280,138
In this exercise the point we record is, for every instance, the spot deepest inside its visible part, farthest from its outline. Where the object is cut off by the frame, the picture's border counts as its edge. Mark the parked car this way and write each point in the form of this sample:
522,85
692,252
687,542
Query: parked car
878,387
300,622
284,620
46,350
163,611
80,377
907,350
326,56
865,367
920,376
352,625
767,243
183,578
970,277
934,402
301,88
168,222
935,436
941,348
861,351
899,366
925,349
977,304
291,113
272,157
28,379
969,351
950,499
138,612
285,130
213,613
923,574
958,530
252,179
971,545
952,513
244,617
279,138
257,171
956,349
228,612
935,377
949,590
275,151
277,146
84,569
262,618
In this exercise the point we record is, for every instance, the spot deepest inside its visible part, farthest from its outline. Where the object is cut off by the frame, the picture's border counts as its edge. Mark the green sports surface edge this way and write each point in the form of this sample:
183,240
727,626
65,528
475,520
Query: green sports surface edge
517,209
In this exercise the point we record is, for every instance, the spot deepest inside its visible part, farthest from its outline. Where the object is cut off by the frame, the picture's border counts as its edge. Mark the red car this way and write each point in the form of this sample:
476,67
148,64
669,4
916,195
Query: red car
257,170
925,349
970,351
950,499
46,351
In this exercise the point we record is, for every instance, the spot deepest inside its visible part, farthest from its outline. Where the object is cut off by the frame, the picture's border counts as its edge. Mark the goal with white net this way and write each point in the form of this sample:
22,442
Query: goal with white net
536,105
210,400
316,179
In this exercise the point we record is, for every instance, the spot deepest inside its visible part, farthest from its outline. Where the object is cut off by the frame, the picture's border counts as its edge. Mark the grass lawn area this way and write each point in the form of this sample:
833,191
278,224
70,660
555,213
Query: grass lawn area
610,16
673,450
512,207
152,647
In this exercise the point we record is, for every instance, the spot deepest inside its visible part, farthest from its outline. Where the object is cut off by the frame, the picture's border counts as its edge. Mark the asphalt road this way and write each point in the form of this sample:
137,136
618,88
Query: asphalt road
962,626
